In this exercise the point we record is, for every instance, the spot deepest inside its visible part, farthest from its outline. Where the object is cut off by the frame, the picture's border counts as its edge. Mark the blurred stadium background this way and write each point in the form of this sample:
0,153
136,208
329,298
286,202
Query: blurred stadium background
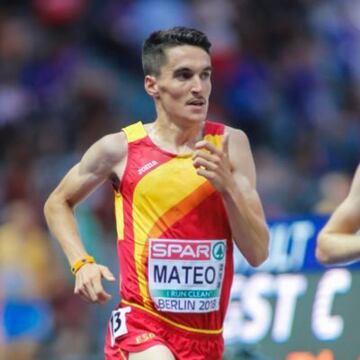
285,71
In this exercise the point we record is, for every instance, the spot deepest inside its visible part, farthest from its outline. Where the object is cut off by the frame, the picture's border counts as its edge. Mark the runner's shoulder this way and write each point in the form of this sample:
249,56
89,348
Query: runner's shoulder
113,146
235,132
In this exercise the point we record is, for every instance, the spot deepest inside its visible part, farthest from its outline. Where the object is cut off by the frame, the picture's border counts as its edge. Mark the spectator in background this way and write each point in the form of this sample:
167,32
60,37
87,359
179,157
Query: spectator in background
334,187
30,276
338,242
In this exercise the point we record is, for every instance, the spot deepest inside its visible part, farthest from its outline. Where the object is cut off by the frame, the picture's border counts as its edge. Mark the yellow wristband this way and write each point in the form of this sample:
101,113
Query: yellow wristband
80,263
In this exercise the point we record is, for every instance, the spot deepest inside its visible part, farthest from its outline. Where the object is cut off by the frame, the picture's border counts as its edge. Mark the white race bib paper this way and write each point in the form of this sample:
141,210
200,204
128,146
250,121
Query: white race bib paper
118,323
186,276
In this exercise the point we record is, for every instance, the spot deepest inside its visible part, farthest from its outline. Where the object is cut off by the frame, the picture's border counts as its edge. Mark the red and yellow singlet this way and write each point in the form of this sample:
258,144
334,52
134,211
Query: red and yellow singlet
174,238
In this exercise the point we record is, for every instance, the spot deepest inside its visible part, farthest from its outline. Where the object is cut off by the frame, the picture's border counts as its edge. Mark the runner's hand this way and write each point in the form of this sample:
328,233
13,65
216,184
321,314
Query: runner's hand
88,283
213,163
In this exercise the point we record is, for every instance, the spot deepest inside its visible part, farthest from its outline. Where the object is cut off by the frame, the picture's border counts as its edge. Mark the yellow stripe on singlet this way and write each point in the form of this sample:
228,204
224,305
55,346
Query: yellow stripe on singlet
123,356
119,215
173,323
184,206
147,213
214,139
135,131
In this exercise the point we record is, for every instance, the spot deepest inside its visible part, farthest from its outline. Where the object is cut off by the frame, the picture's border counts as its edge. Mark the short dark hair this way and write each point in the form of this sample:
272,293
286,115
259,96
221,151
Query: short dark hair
153,54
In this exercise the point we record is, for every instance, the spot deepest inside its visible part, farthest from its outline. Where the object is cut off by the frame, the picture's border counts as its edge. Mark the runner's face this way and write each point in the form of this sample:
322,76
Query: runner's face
184,83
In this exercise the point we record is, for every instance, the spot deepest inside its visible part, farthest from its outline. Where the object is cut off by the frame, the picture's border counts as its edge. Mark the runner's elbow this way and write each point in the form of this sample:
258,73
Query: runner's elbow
325,257
48,205
53,203
264,248
322,251
259,258
261,255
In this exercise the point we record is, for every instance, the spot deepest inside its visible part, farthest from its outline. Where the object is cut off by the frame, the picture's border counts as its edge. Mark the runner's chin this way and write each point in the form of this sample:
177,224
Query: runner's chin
196,113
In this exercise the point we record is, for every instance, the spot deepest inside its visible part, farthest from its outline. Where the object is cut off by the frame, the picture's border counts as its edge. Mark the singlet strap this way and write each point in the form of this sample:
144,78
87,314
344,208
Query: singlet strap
214,128
135,132
214,133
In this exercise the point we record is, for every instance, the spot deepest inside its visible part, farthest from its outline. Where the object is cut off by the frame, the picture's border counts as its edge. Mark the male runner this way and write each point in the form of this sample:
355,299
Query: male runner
184,191
338,242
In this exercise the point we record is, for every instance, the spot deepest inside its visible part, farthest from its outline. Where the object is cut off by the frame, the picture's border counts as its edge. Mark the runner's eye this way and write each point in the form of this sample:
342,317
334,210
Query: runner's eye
205,75
183,75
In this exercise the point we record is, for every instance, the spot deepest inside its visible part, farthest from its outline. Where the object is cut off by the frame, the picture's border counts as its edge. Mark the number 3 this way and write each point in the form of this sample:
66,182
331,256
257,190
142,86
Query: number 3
116,320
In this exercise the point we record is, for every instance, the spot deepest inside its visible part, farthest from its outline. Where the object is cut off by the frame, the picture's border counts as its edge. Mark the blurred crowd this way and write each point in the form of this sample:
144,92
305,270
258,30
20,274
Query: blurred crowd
285,71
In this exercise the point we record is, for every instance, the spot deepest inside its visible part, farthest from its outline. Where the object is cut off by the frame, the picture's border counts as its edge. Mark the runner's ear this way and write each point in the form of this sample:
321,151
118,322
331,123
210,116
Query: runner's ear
151,86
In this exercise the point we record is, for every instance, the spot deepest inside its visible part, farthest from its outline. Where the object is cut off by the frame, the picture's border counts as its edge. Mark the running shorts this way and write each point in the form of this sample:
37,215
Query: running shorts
134,330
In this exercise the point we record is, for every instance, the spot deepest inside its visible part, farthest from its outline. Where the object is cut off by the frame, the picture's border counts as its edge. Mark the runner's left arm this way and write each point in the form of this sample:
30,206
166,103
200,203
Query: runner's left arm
232,172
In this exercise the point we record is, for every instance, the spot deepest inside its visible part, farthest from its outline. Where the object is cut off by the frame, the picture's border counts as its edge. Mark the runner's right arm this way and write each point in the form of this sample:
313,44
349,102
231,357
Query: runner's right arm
101,161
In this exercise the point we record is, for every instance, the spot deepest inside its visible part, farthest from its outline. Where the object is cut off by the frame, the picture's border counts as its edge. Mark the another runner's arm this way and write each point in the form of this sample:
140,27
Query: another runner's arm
337,242
97,165
231,170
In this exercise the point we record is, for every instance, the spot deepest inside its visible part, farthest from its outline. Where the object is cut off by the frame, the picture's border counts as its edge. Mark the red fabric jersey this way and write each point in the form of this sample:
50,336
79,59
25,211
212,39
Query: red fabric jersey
174,238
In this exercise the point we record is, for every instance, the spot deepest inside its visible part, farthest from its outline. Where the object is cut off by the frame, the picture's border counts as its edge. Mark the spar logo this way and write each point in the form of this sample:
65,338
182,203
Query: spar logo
180,250
218,251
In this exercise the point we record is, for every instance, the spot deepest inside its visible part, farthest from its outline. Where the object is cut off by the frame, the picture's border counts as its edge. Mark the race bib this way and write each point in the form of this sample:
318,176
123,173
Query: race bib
118,323
186,276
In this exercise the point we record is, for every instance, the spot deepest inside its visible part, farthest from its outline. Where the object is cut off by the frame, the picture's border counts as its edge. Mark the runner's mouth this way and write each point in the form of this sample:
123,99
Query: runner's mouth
197,102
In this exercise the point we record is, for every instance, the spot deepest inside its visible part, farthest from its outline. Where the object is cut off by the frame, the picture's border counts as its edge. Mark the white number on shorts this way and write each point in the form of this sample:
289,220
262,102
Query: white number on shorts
118,323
